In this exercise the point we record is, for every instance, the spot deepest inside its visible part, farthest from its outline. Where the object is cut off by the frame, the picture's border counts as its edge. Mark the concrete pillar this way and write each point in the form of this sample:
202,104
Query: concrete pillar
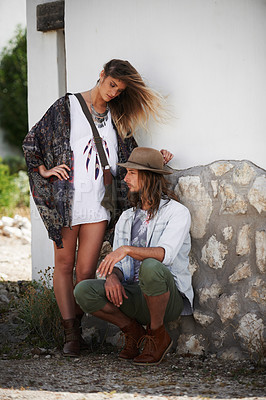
46,82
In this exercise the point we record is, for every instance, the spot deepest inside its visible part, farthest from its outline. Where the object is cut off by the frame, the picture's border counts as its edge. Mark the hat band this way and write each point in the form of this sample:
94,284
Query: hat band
144,165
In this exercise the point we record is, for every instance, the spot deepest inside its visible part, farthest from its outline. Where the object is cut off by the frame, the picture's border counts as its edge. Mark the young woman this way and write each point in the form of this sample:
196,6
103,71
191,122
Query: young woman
66,177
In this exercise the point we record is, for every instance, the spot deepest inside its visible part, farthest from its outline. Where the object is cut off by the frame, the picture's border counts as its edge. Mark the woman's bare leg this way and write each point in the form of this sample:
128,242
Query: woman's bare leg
90,238
63,272
90,244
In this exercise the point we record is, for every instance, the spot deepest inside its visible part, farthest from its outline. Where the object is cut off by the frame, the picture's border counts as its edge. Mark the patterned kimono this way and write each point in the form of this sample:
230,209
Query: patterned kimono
48,143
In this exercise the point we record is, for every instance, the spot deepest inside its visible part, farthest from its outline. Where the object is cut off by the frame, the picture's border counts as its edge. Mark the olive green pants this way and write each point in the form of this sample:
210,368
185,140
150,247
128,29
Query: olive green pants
154,279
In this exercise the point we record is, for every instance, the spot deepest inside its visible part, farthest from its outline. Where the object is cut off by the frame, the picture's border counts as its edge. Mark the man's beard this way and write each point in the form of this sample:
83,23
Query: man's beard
134,199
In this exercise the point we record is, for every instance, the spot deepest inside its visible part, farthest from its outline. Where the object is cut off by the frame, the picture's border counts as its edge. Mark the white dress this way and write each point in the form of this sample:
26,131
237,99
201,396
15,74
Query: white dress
88,174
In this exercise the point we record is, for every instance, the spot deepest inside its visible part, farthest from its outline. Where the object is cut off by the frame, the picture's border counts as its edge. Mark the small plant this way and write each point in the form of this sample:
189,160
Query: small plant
13,89
39,312
23,189
7,189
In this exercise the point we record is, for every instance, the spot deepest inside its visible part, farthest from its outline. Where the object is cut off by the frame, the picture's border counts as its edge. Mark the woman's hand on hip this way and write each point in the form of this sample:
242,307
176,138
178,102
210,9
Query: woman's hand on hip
167,156
60,171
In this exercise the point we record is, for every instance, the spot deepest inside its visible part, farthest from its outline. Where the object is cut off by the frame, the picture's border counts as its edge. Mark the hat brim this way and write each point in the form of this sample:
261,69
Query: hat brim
129,164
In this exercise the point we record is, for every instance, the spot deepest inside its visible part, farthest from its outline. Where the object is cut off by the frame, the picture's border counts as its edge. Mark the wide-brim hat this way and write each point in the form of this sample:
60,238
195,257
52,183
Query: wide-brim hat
147,159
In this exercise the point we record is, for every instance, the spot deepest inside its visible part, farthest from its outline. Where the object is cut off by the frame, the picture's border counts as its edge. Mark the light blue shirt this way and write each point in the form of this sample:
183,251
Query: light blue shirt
168,229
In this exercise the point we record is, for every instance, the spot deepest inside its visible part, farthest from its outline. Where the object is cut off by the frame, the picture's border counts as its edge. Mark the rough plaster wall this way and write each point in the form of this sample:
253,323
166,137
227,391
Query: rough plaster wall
227,201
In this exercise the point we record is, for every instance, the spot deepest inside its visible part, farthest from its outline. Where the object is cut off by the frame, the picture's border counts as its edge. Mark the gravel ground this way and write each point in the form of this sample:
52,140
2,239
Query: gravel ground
105,375
15,259
32,374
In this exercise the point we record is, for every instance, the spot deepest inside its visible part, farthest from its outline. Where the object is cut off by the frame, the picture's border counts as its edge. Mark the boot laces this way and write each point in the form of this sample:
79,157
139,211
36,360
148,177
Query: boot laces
148,342
127,340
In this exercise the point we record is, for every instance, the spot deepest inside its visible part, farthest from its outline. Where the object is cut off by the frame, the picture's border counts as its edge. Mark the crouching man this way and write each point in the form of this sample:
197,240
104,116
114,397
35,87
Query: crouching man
147,278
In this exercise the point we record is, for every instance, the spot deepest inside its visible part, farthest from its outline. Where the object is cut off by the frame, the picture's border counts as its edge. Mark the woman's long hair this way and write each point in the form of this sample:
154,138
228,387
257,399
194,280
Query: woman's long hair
136,103
153,188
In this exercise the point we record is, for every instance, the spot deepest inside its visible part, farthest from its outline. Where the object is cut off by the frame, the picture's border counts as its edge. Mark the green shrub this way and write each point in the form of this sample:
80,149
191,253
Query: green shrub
13,89
39,313
7,189
22,197
15,163
14,190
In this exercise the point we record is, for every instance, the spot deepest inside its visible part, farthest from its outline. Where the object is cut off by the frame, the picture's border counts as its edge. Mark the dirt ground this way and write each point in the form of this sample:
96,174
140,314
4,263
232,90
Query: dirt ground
104,376
15,259
26,373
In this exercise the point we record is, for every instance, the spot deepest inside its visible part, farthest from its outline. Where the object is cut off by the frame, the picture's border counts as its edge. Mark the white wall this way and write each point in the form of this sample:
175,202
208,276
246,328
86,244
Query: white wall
46,82
208,56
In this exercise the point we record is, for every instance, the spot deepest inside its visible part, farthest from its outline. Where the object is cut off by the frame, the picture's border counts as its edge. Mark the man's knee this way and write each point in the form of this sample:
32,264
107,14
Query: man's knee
82,290
90,295
151,270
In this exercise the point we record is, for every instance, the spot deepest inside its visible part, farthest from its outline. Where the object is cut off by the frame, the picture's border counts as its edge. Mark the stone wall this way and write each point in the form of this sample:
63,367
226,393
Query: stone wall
227,202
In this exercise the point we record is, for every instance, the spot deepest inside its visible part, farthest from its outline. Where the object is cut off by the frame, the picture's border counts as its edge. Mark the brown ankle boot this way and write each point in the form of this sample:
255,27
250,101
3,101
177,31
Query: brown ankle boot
132,333
71,331
157,343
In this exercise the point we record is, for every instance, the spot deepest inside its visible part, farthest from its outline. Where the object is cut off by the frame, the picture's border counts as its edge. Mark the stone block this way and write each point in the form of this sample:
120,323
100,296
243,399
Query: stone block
203,319
257,292
214,188
220,168
214,252
195,197
257,194
227,307
250,330
260,243
218,338
243,241
243,174
232,354
232,203
7,221
210,292
242,271
191,344
91,334
11,231
193,265
228,233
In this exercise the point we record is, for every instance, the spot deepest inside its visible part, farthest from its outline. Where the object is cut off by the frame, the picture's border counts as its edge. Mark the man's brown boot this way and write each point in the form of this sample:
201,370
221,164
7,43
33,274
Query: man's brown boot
132,333
157,343
72,335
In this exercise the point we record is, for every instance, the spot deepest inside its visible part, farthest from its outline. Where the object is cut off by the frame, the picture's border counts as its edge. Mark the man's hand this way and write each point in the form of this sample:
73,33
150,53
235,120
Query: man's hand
138,253
107,265
60,171
114,290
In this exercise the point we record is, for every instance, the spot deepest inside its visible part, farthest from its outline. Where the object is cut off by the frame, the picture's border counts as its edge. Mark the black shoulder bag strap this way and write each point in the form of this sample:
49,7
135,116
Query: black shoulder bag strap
107,176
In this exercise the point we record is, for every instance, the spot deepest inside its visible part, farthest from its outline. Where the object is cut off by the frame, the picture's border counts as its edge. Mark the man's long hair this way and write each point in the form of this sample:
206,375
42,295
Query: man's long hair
153,188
